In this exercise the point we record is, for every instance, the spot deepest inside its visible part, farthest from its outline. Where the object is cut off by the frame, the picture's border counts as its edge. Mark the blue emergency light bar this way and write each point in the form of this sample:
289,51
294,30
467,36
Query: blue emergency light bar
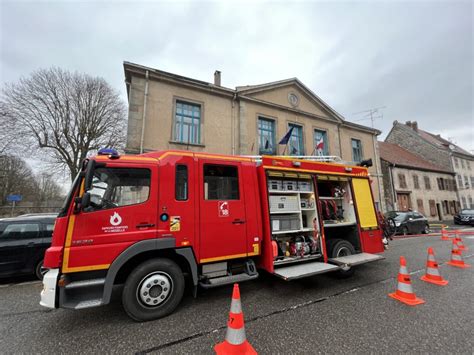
111,152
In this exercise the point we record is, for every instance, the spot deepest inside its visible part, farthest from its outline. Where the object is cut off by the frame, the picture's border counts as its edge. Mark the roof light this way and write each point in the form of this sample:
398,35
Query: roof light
111,152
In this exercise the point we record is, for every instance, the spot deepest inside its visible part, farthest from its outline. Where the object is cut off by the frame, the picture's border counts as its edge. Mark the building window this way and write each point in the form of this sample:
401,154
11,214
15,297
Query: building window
468,164
427,182
221,182
321,146
464,203
470,203
187,126
440,184
419,204
432,208
445,207
459,182
456,163
181,183
452,207
466,182
296,140
356,150
462,163
416,182
402,181
266,136
472,182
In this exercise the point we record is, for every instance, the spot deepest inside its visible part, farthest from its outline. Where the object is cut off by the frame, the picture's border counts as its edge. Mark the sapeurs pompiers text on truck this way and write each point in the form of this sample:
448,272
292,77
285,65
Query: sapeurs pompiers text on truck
151,221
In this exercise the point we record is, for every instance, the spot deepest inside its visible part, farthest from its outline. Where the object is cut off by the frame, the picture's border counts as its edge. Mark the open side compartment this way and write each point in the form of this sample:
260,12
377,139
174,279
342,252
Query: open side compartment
338,215
294,222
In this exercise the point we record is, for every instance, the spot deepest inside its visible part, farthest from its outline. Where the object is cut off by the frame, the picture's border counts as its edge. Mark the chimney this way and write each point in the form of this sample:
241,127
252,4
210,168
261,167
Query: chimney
408,123
217,78
414,125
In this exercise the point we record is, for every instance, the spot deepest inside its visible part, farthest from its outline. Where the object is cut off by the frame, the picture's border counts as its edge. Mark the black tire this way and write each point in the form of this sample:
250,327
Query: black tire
164,278
38,267
426,230
339,248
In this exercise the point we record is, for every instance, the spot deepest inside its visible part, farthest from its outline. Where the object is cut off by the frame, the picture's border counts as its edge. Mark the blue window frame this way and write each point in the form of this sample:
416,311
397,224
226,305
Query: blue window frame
296,140
187,123
317,136
356,150
266,136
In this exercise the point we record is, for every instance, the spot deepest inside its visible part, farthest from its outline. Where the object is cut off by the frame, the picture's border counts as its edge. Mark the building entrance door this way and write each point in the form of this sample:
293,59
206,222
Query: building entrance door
404,203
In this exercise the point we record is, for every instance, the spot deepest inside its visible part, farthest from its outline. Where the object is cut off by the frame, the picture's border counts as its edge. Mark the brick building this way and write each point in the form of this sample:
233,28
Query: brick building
440,152
410,182
169,111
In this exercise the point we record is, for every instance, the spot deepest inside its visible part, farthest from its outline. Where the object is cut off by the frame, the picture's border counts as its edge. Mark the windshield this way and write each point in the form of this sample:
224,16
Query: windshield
470,212
68,199
397,216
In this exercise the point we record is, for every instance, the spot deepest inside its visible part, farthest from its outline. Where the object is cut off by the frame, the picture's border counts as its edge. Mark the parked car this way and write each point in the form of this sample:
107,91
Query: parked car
23,241
465,216
409,222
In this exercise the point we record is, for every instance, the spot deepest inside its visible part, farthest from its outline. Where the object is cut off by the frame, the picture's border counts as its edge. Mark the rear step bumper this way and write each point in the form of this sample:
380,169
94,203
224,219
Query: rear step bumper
301,270
356,259
294,272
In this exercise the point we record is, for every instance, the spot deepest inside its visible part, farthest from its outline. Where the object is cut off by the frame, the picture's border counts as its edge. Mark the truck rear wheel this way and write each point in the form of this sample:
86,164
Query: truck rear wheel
340,248
153,290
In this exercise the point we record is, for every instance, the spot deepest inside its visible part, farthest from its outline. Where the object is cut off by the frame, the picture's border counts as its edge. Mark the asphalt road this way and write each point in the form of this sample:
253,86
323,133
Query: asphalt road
315,315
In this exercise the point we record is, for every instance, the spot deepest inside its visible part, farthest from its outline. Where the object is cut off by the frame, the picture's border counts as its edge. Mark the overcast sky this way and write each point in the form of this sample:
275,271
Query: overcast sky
414,58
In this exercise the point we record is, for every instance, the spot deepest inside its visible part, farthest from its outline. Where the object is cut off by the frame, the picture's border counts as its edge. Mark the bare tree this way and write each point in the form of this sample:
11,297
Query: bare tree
67,114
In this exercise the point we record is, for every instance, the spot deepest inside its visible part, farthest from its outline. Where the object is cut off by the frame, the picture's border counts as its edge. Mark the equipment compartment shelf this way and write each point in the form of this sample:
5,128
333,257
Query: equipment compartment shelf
341,224
284,212
295,259
283,192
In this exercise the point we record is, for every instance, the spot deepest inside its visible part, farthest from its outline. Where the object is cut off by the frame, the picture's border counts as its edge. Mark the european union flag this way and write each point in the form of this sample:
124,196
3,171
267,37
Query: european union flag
287,136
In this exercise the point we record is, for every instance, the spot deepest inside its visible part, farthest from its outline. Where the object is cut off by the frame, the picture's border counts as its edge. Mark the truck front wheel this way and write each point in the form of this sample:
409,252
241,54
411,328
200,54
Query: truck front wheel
153,290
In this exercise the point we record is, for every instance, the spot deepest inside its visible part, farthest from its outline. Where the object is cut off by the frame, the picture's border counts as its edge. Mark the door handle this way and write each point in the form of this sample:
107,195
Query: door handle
145,225
238,221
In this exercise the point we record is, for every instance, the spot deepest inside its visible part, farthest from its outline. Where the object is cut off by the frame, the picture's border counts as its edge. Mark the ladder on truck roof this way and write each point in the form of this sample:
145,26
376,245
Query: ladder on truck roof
318,158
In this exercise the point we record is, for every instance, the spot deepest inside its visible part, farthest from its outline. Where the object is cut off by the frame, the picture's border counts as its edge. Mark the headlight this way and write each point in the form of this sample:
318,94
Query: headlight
398,224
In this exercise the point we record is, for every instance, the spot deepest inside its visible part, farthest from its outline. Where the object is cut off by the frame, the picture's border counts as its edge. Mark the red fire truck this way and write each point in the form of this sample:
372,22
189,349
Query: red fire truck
152,221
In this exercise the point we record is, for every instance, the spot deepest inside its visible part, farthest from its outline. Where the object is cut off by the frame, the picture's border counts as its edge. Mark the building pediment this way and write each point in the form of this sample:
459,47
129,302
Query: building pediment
290,93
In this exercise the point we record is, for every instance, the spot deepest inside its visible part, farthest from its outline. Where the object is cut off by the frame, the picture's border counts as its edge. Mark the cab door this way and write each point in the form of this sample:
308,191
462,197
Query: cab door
222,216
122,211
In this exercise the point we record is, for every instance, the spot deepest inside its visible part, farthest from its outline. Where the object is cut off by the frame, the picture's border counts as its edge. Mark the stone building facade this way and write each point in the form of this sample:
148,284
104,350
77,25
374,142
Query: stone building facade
440,152
169,111
410,182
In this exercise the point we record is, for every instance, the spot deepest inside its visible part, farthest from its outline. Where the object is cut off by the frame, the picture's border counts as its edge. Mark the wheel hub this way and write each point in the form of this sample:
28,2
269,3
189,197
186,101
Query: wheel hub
154,289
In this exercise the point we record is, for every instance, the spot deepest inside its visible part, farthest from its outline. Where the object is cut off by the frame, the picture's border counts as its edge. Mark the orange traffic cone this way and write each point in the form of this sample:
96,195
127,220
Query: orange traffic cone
458,240
235,340
444,234
432,272
456,257
404,292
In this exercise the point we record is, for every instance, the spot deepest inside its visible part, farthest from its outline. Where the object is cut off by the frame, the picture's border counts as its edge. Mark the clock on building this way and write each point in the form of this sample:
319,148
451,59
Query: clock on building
293,99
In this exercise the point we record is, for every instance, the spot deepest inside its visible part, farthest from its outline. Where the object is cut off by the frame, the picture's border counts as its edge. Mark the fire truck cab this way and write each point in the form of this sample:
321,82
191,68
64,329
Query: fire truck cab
154,220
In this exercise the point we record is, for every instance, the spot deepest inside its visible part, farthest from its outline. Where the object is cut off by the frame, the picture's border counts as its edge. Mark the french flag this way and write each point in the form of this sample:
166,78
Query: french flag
320,146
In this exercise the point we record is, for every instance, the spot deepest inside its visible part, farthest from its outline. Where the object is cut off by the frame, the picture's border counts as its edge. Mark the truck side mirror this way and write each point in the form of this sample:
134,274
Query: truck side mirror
86,200
82,202
89,174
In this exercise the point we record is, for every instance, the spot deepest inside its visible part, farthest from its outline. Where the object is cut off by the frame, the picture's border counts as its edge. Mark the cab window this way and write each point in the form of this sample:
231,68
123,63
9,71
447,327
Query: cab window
221,182
117,187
